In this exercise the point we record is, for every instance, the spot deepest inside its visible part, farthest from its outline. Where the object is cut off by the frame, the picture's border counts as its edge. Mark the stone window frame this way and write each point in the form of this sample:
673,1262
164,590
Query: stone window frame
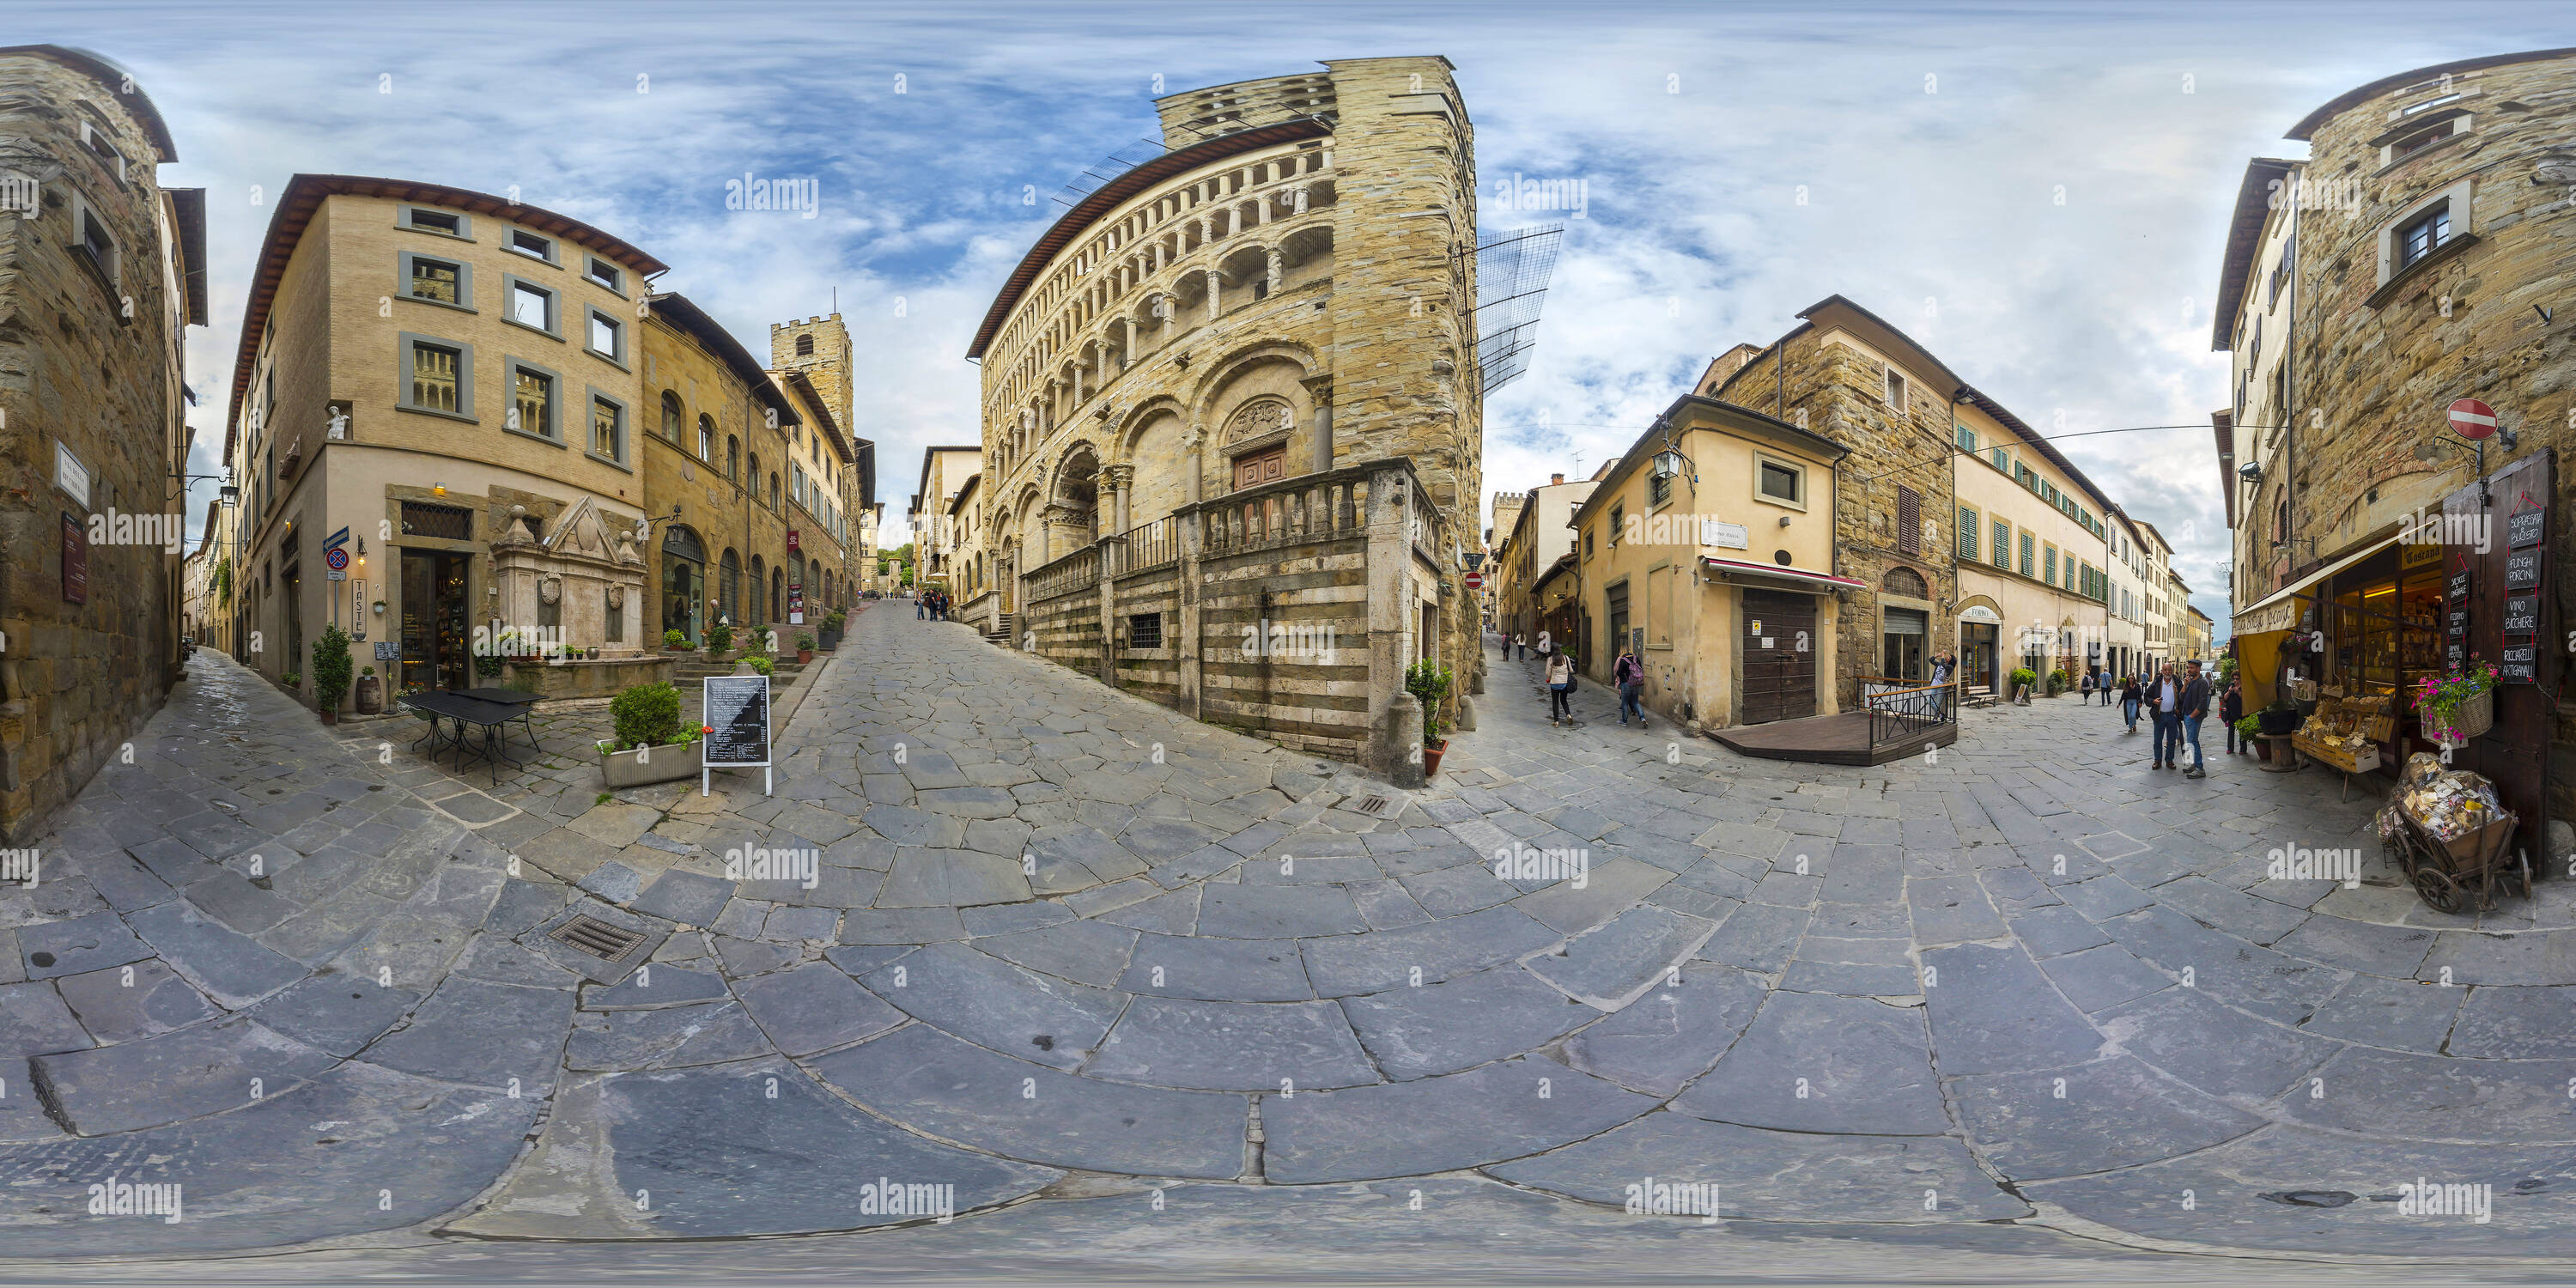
511,365
96,140
617,327
625,428
1895,390
464,280
2459,197
553,255
464,222
510,284
1796,467
109,274
1164,634
1971,532
404,343
614,283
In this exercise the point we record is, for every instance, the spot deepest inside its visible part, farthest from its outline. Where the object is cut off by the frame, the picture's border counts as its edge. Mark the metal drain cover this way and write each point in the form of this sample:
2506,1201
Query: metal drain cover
1371,805
597,938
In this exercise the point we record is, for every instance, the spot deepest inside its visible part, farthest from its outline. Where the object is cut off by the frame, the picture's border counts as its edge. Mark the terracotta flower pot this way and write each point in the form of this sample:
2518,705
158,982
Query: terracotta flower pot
1431,757
804,655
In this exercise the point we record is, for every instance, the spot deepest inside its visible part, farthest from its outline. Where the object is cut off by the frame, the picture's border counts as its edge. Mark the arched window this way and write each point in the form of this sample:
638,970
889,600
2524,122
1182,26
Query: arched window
752,480
804,346
777,593
671,415
733,458
773,490
1906,582
759,574
729,587
706,437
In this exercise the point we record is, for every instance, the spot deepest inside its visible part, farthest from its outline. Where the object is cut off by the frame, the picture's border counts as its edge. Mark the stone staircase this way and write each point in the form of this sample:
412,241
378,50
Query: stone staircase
1000,635
695,667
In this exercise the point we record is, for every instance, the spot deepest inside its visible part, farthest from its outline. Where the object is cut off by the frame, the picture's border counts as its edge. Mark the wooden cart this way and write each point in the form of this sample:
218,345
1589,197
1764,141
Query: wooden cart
2443,872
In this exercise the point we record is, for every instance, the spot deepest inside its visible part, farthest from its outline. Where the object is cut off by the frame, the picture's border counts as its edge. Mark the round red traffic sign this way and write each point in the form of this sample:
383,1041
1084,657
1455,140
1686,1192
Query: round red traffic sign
1475,581
337,558
2472,419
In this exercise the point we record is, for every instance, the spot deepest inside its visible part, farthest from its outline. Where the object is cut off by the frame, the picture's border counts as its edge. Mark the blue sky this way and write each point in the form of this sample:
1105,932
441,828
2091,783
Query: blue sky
2038,193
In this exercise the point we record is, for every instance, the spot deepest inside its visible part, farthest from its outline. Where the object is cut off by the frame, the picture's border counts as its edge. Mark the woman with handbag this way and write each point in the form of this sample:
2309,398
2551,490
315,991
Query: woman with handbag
1560,687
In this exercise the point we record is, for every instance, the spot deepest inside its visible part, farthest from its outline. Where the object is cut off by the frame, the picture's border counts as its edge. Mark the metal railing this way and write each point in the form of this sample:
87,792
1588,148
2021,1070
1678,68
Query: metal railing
1150,546
1899,716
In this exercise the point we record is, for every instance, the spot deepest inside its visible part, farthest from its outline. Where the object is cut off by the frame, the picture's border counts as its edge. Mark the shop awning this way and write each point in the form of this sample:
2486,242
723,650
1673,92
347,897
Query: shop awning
1740,568
2275,612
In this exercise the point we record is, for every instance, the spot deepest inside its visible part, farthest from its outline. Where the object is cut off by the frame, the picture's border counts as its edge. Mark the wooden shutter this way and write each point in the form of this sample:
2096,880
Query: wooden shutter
1909,521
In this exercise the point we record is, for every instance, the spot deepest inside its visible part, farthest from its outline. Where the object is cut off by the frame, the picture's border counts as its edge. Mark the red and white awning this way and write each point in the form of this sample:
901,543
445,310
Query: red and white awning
1738,567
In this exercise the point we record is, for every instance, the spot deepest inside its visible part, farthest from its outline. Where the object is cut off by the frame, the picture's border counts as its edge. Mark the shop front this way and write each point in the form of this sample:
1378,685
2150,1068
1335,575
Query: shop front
1980,641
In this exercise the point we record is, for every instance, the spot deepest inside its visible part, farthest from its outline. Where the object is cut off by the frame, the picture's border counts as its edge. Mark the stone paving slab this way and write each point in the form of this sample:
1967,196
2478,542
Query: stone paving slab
173,1076
1777,1176
1232,1046
957,1091
1498,1111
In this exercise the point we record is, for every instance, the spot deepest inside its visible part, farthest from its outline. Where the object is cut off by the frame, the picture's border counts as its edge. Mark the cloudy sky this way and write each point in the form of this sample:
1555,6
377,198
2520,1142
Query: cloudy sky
2037,192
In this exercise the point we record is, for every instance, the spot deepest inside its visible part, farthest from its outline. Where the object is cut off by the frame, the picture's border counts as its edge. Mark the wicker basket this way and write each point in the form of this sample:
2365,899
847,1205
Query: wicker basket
2468,720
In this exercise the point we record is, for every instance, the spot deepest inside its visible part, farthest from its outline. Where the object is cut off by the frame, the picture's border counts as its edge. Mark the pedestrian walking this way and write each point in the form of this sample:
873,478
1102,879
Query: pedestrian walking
1560,688
2084,688
2230,710
2193,708
2164,707
1521,642
2131,694
1631,677
920,607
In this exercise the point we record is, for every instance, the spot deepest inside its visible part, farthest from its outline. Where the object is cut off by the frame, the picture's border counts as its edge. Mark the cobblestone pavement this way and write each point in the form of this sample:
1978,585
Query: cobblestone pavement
1060,944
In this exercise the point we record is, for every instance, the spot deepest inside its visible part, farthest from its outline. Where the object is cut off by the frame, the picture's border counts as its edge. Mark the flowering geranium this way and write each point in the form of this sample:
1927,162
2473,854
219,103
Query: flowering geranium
2438,696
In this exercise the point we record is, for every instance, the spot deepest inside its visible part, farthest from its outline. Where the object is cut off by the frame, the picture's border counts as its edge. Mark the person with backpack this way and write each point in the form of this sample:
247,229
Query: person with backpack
1560,688
1630,675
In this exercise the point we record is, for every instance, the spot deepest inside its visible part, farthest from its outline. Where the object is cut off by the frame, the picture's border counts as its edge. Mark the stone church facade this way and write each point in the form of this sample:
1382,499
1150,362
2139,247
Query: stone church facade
1231,426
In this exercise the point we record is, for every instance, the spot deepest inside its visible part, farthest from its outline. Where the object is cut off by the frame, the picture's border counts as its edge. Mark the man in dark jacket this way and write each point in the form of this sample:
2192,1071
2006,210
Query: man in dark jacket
2193,708
2231,709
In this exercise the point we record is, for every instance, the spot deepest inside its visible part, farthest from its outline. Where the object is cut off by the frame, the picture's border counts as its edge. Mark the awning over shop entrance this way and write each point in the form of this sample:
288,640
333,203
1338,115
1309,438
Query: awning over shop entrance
2276,611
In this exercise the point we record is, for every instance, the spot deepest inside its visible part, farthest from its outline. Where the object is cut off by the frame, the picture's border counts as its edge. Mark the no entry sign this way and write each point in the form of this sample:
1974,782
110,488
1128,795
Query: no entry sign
1474,580
2472,419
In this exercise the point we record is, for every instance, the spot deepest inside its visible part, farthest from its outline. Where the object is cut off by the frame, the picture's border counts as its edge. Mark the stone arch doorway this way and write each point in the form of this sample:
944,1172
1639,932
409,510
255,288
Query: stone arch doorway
729,587
1074,506
684,583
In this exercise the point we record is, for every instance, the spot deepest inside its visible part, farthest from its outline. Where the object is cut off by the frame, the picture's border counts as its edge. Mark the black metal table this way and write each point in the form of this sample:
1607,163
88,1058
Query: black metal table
446,704
520,698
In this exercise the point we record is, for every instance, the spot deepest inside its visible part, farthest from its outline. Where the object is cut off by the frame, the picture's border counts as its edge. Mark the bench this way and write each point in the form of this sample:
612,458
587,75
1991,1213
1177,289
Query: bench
1980,695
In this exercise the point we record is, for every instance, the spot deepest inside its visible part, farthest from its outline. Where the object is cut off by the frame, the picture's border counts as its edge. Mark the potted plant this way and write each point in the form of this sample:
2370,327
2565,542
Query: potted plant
1430,681
2056,682
330,672
2278,720
804,649
651,745
759,662
371,692
413,691
832,630
293,680
719,639
2249,730
488,664
675,641
2022,678
2458,705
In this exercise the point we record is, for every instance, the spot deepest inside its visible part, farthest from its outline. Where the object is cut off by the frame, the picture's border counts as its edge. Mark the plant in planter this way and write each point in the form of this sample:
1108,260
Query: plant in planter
2458,705
760,662
719,638
330,672
2249,731
2056,682
2022,678
674,641
488,664
804,649
413,691
293,679
1430,681
371,691
651,745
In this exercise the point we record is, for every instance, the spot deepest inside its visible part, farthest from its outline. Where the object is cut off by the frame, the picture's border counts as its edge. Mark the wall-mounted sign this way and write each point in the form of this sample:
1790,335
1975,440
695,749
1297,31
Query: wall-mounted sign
2459,619
1729,536
70,474
75,560
2521,664
2522,570
791,540
2522,615
1981,613
388,650
2524,528
335,558
2458,590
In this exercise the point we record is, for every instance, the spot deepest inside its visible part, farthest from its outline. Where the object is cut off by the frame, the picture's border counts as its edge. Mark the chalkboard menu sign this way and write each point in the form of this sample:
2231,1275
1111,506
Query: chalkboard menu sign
2523,529
2521,664
2522,570
2458,589
2522,615
737,709
2455,655
388,650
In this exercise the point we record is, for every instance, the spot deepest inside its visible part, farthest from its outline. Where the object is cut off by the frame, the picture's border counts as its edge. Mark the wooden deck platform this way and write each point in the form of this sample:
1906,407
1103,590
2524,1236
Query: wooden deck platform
1841,739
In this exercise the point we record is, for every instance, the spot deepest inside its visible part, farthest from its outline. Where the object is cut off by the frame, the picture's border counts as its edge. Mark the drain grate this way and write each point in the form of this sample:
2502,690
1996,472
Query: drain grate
1371,805
597,938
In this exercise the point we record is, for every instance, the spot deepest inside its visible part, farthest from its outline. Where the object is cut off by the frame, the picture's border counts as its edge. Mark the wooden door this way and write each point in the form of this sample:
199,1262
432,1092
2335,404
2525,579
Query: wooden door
1261,467
1779,650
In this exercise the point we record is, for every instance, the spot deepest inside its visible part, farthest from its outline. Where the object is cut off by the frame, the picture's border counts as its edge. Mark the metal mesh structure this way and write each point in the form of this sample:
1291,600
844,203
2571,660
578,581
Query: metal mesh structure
1512,273
1108,168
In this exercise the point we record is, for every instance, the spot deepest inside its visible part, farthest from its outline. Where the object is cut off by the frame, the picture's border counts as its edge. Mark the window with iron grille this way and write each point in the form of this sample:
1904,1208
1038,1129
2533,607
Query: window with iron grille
1145,630
1909,521
445,522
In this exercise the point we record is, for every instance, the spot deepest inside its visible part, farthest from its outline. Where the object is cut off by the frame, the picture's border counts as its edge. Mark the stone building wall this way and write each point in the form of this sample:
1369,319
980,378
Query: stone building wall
1836,390
2378,365
90,365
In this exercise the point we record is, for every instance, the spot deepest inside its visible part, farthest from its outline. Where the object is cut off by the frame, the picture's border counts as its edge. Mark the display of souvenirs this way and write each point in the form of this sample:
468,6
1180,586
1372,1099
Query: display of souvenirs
2349,723
2448,803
